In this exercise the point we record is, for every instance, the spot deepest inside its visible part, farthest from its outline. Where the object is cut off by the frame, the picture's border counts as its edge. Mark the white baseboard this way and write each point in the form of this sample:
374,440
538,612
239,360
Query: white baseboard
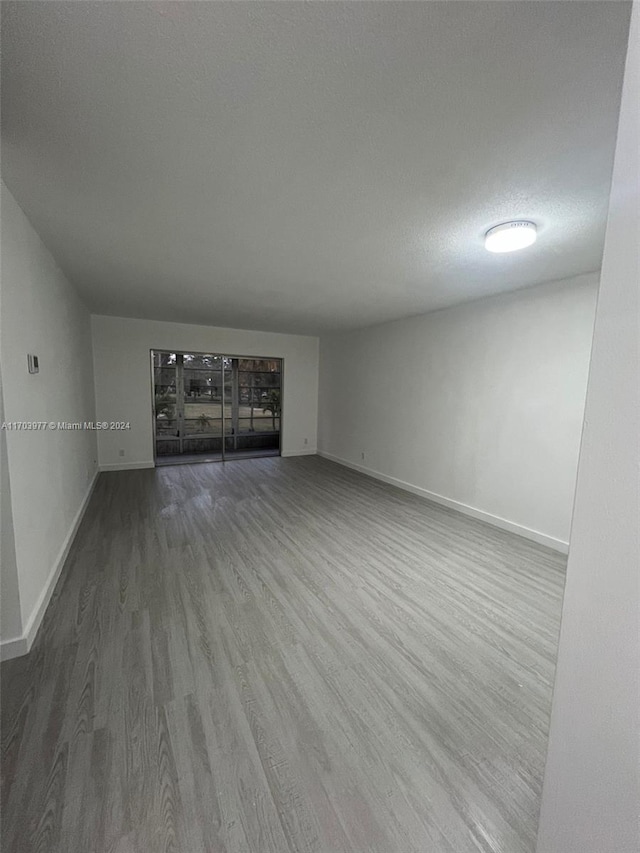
13,648
127,466
473,512
308,451
17,646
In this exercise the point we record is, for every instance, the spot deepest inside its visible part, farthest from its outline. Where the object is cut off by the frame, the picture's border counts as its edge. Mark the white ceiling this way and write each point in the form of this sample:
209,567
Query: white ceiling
309,166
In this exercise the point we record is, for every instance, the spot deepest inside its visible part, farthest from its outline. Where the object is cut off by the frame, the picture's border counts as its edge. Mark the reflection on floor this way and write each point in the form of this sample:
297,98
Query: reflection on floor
195,458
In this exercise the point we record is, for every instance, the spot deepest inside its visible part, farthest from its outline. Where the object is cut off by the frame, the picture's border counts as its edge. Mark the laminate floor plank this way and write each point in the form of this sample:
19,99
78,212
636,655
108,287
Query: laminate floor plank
282,656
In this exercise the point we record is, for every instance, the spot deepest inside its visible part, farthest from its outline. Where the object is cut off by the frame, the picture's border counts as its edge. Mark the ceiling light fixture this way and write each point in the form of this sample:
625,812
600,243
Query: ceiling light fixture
510,236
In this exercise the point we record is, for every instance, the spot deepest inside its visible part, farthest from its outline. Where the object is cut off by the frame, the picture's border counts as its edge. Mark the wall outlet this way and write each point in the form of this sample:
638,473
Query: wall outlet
306,441
362,455
121,453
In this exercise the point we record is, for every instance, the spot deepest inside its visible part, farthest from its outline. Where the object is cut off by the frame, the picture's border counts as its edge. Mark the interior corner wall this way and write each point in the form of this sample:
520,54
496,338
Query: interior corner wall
122,366
51,471
479,406
591,789
10,612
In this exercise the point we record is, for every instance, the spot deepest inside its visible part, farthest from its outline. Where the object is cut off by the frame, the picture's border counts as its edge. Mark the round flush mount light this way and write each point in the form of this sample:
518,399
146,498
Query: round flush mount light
510,236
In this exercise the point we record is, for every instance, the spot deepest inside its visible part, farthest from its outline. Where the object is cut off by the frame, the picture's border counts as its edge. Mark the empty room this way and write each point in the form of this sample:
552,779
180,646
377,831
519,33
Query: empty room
319,432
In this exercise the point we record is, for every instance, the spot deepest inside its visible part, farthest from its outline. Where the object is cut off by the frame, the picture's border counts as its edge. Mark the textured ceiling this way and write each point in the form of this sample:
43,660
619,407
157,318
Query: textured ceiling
309,166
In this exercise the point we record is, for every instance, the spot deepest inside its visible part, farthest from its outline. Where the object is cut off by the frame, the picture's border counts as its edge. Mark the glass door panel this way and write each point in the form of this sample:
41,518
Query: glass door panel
253,388
202,394
165,409
215,406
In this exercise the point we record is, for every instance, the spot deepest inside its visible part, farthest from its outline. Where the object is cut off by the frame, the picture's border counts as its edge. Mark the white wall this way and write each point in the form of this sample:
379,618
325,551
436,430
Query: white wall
123,380
592,782
10,612
50,471
480,405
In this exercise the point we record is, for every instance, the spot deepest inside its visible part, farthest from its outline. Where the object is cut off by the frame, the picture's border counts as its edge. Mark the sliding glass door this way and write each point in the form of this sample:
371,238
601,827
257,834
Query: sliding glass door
214,407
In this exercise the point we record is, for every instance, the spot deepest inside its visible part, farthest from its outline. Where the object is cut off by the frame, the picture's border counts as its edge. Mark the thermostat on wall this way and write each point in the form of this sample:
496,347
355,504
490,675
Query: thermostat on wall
32,361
